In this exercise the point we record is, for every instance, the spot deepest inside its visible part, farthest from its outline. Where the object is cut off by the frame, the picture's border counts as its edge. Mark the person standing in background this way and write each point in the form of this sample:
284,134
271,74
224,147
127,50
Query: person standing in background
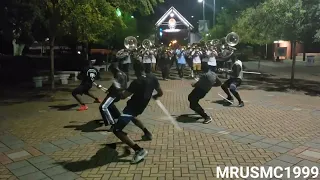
181,61
212,62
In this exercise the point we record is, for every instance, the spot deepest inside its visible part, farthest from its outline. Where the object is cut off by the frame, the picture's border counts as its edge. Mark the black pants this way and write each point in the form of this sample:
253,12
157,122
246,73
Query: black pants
125,69
194,98
80,90
180,70
165,70
147,68
212,68
109,111
232,84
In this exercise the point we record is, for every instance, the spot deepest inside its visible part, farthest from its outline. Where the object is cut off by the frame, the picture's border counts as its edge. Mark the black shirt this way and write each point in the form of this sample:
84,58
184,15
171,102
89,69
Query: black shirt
206,81
142,89
88,75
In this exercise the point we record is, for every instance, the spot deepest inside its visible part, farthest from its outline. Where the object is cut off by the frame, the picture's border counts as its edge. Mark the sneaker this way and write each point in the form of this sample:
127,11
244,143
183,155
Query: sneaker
97,101
139,156
83,108
207,120
241,104
146,137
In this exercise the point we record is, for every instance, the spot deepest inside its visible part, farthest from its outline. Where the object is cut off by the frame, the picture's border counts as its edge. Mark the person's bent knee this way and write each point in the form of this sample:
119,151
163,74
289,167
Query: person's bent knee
74,93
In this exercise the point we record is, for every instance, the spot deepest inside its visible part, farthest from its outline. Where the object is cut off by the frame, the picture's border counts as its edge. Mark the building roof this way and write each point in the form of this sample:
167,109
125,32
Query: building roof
176,13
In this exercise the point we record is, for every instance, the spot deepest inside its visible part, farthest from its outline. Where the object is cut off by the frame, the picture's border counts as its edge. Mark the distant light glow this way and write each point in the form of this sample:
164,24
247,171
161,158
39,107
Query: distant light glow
279,41
171,15
118,12
79,52
192,16
200,1
161,34
132,17
172,30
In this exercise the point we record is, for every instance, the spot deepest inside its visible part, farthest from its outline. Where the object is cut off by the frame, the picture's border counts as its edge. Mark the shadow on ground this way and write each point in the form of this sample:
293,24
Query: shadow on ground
90,126
64,107
188,118
104,156
222,102
311,88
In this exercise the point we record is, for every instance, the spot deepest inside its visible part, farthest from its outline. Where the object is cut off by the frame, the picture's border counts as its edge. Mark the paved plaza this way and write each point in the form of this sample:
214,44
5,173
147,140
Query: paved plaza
46,138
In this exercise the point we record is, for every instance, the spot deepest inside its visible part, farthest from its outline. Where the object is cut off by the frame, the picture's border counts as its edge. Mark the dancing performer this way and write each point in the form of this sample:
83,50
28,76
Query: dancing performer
234,81
141,90
87,76
206,81
108,110
181,61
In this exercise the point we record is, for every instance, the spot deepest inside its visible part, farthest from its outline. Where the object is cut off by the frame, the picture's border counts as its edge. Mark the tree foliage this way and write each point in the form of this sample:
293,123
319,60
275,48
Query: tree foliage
17,17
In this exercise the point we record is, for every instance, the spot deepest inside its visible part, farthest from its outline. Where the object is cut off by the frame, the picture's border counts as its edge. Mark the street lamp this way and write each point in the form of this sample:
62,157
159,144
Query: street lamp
203,8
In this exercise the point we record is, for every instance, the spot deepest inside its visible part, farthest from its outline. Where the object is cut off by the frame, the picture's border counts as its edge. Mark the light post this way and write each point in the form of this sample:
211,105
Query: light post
214,13
203,9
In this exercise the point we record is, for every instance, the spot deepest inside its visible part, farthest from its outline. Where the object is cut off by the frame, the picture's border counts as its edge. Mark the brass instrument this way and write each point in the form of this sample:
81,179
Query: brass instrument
130,43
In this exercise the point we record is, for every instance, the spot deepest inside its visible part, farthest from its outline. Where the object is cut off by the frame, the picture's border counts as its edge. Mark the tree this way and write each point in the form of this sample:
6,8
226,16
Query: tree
279,19
17,17
88,19
91,19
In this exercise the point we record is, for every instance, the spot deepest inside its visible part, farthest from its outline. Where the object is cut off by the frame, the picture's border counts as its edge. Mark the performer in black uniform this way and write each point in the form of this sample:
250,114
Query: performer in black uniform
141,90
88,75
206,81
234,81
108,110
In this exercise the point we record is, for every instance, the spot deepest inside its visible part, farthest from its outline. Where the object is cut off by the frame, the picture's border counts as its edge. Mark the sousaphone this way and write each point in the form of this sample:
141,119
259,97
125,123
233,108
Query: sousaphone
130,43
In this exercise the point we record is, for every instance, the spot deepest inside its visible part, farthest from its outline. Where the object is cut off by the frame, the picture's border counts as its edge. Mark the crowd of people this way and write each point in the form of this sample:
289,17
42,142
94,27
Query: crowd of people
203,67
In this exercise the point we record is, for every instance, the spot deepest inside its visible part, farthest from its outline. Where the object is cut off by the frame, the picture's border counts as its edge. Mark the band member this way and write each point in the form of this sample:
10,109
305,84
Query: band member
165,63
181,61
141,90
87,77
189,60
212,62
196,60
108,110
234,81
206,81
125,63
147,60
153,62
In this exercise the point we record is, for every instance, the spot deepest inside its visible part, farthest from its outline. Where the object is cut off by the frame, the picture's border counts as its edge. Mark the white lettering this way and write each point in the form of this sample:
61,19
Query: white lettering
266,174
247,171
276,175
255,172
234,172
224,174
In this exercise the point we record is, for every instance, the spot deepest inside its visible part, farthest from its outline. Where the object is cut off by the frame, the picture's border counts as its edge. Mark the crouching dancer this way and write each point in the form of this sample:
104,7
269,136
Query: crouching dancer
141,90
87,76
108,110
201,88
234,81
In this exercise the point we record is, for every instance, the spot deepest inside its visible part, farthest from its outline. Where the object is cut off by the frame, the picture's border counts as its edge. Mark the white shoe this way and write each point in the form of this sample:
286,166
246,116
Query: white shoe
139,155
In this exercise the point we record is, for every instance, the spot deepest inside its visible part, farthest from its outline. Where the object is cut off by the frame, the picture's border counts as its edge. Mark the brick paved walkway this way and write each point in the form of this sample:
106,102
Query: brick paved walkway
50,140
